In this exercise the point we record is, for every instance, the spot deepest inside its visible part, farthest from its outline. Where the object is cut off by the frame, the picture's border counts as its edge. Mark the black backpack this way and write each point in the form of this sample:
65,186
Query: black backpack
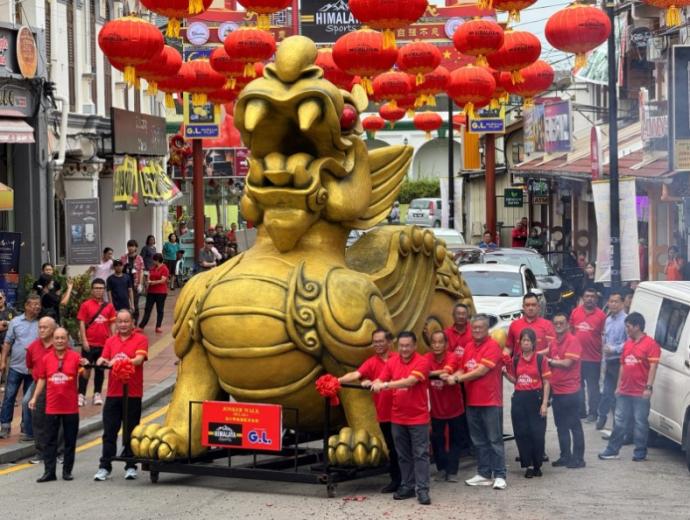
540,360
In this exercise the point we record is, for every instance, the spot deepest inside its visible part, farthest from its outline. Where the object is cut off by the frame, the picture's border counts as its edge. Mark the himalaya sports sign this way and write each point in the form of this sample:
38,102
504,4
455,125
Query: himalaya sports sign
325,22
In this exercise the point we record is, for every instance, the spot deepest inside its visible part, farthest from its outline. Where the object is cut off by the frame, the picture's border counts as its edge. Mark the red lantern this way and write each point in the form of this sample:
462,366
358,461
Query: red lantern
332,72
229,67
519,50
578,29
504,86
178,83
408,102
513,7
538,77
459,120
131,42
434,83
478,38
427,122
391,113
373,124
160,68
206,80
392,86
388,15
419,58
222,96
176,10
243,81
362,53
672,9
250,46
471,87
264,9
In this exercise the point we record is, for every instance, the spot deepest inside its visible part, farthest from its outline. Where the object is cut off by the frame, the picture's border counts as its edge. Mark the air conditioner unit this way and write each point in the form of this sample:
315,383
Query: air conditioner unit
88,109
656,49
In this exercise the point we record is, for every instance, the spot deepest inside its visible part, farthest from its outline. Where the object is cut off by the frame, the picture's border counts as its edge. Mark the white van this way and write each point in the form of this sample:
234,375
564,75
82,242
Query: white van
665,307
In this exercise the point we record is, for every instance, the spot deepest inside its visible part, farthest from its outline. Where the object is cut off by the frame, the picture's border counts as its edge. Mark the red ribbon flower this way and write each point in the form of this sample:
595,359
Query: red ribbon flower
123,370
328,386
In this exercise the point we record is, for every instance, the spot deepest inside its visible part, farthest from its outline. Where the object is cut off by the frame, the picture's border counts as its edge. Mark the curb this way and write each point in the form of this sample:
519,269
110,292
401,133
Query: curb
17,451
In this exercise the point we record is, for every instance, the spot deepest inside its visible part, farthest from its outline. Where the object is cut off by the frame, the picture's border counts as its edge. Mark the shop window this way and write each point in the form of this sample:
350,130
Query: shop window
670,324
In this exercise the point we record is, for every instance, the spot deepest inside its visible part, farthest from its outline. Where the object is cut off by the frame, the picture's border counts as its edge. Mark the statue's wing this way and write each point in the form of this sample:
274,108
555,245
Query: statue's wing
388,166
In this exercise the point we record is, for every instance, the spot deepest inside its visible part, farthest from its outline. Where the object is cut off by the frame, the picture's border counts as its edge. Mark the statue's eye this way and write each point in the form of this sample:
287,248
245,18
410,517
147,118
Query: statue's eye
348,119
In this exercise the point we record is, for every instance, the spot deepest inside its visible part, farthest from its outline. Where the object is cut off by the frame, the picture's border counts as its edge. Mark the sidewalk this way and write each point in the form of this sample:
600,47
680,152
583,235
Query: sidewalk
159,378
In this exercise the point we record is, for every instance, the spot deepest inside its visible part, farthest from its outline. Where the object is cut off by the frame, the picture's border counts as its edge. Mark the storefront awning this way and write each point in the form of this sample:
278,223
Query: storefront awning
16,131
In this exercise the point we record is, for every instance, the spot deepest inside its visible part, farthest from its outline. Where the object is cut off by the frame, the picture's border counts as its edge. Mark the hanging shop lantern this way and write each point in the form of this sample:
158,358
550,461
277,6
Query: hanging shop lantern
392,86
206,80
222,96
177,84
176,11
478,38
373,124
672,7
409,101
519,50
250,46
332,72
229,67
160,68
512,7
418,59
434,83
130,41
362,53
391,113
471,87
427,122
388,15
538,77
578,29
264,9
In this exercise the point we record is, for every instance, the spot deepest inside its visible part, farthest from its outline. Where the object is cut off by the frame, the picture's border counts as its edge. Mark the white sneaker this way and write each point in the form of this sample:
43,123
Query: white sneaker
130,474
101,475
478,480
82,400
500,483
97,399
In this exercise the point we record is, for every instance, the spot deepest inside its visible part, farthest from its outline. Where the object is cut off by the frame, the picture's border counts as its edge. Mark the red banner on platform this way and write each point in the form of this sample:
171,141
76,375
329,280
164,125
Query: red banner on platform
242,426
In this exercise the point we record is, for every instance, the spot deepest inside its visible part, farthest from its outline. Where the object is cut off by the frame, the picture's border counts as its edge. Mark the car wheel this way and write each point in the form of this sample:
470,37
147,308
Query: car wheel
686,447
437,223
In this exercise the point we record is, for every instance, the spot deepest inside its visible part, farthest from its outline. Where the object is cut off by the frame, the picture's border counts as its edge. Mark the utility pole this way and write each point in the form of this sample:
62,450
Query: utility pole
614,200
198,195
451,167
490,181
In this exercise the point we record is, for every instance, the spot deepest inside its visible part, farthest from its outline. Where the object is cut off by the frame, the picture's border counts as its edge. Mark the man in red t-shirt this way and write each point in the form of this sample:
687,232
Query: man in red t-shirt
447,409
530,318
125,344
564,359
58,372
406,376
34,355
96,318
639,362
587,324
369,371
481,371
519,233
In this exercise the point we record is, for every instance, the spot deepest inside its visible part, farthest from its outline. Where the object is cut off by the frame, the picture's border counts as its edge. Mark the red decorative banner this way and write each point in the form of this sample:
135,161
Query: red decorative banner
242,426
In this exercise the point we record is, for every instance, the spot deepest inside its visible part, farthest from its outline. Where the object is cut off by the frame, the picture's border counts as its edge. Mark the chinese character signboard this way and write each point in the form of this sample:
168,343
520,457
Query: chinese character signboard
557,133
83,231
138,134
125,183
242,426
9,265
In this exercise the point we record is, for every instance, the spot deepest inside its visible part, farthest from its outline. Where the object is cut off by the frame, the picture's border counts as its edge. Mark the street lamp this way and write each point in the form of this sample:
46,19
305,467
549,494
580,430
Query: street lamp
614,196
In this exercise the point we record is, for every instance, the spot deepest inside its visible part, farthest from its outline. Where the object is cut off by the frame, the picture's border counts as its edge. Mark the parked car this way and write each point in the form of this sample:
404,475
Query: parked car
452,237
497,290
665,307
425,212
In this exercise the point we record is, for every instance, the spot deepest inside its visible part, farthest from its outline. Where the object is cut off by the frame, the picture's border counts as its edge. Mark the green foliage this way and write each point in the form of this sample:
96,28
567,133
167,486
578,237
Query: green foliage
425,188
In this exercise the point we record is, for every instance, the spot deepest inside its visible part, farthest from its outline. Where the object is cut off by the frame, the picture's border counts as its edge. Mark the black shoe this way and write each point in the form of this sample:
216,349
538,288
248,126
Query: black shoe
391,487
47,477
601,423
560,463
67,476
537,472
576,464
403,493
423,498
529,473
517,459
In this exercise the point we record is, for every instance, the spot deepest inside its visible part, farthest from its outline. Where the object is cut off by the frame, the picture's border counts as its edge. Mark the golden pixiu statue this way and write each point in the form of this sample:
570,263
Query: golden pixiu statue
265,325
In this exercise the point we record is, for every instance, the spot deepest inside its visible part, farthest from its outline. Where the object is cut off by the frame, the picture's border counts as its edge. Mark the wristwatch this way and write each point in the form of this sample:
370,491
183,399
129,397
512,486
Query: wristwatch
648,387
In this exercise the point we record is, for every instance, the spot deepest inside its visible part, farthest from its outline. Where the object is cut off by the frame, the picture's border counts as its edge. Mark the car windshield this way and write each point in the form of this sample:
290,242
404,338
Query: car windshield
492,283
452,240
419,204
537,264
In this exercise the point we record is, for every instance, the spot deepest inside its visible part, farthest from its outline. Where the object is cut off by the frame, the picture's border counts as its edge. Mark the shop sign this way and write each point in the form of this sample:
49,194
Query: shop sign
200,122
125,183
156,187
512,198
679,108
10,246
325,22
8,55
540,191
15,101
27,52
534,129
82,218
653,117
242,426
198,33
138,134
488,122
557,134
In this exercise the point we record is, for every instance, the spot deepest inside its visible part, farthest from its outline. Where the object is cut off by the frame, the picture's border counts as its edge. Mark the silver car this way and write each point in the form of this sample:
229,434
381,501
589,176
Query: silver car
425,212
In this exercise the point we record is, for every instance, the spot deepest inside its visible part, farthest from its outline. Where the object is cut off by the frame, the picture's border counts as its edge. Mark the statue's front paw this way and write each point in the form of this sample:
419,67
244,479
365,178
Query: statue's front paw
355,448
155,441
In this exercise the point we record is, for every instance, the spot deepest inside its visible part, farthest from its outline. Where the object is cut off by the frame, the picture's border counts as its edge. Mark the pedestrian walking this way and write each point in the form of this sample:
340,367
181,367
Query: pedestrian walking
120,288
639,362
156,292
367,373
587,324
134,346
543,328
614,339
406,376
447,409
105,268
134,267
96,324
480,370
564,360
147,253
170,249
530,374
58,373
21,332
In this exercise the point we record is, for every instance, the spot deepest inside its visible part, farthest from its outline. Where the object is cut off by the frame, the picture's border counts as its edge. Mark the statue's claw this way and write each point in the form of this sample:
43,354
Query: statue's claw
355,448
155,441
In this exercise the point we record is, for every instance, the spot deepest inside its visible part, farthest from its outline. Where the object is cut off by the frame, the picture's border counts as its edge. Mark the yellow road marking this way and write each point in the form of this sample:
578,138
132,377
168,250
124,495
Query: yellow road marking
90,444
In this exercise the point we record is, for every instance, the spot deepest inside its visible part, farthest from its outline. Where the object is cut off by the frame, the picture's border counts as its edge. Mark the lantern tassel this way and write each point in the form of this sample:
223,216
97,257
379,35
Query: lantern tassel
169,101
389,39
481,61
516,76
428,135
528,102
431,101
199,99
469,110
196,6
419,102
410,113
130,75
173,28
391,124
249,70
367,85
230,83
263,22
494,104
151,88
580,60
420,79
514,16
672,16
393,103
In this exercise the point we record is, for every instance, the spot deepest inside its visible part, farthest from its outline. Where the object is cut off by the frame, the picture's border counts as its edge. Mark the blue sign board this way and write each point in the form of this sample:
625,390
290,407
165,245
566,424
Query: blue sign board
489,125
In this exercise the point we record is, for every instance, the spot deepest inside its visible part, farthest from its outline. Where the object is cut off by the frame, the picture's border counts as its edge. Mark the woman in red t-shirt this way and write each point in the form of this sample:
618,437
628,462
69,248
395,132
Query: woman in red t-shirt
157,290
530,402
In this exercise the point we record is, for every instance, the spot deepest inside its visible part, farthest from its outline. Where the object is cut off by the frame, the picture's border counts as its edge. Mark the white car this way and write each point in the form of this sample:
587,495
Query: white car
452,237
497,290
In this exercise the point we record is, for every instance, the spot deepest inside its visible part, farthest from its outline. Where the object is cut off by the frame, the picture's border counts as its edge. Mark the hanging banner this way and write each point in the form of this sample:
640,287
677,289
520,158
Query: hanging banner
242,426
9,265
125,183
82,218
157,189
630,263
534,129
596,153
557,134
